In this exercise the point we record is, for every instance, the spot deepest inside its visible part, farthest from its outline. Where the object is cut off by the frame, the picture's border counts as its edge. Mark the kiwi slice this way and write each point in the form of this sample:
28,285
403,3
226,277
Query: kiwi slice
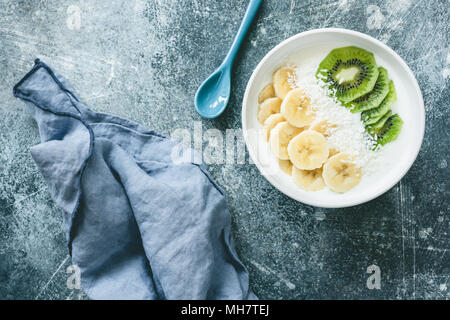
350,72
375,128
372,99
371,116
391,129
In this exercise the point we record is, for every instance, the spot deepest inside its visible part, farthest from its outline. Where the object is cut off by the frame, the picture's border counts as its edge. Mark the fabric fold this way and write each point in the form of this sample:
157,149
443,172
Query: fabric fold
139,225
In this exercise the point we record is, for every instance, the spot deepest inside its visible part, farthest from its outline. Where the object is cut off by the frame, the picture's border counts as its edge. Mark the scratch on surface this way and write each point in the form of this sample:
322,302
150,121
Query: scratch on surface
267,270
414,267
70,295
112,63
403,192
96,96
413,232
434,249
291,10
340,5
394,26
51,278
446,71
403,234
25,198
432,52
21,39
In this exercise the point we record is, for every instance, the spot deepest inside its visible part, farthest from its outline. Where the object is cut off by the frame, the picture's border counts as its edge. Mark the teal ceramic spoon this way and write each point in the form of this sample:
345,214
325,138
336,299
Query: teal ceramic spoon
212,96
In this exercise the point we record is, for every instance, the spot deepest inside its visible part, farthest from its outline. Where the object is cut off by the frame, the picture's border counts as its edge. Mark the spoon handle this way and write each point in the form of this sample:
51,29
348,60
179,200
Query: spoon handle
245,25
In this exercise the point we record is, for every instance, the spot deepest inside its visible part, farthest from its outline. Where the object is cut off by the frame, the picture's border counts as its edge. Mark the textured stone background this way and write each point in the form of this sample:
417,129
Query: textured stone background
144,60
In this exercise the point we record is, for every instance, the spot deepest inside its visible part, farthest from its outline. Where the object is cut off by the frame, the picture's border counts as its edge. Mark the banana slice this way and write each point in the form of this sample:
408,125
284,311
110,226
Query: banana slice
281,81
340,172
266,93
297,110
280,137
323,127
285,166
309,180
267,108
333,152
271,122
308,150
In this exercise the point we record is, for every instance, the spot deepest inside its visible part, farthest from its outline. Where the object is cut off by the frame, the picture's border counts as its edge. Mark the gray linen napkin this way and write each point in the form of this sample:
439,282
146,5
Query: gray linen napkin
139,226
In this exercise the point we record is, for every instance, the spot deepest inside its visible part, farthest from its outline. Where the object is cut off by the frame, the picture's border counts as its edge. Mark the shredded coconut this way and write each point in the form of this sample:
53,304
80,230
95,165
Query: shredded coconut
348,133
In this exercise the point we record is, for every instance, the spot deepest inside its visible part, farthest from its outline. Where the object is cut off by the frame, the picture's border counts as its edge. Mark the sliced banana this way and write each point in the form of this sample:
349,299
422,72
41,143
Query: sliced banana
308,150
333,152
323,127
267,108
280,137
340,172
285,166
271,122
309,180
297,110
282,79
266,93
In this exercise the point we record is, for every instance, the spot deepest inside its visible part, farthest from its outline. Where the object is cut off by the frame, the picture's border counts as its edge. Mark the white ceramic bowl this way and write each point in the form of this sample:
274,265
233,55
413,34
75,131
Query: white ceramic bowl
409,106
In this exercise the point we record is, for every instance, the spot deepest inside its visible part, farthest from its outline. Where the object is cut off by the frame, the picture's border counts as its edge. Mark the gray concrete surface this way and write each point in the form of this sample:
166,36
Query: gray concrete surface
144,60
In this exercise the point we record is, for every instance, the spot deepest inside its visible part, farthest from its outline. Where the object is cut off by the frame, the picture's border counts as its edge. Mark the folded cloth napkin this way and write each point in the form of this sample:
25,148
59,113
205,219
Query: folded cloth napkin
139,225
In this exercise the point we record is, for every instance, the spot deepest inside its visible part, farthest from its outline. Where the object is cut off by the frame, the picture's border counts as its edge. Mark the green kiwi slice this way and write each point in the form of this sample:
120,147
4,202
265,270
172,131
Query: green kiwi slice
350,72
390,131
375,129
371,116
374,98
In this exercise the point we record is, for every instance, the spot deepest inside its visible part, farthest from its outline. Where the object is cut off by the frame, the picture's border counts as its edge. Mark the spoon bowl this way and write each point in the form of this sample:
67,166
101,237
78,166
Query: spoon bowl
212,96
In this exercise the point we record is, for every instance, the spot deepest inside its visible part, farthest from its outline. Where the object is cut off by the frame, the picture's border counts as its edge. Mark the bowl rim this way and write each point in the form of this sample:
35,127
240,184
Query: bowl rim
376,42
